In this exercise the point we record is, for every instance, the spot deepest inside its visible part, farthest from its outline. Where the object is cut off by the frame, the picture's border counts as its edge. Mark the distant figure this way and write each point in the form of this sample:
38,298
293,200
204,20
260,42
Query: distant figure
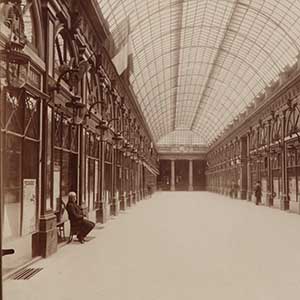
257,193
77,219
231,192
149,189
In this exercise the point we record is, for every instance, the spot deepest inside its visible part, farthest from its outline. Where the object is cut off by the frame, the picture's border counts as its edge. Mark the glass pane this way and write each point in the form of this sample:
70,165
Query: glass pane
30,185
49,201
12,187
97,194
32,118
65,185
91,180
57,168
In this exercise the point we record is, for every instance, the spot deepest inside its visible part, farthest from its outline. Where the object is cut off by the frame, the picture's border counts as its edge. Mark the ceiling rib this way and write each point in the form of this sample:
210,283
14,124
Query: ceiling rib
214,64
177,60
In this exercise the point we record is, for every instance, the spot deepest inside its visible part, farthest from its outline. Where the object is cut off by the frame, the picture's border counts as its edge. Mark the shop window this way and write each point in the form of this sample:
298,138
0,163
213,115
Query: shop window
12,186
49,201
92,169
65,134
21,152
91,180
30,180
57,130
65,160
14,114
108,172
31,118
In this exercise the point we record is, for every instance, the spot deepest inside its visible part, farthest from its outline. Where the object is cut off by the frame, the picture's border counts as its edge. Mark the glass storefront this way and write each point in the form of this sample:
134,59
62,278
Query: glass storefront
21,139
65,160
92,170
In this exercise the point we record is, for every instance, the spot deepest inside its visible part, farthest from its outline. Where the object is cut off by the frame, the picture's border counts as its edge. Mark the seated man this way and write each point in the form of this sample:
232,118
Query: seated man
77,219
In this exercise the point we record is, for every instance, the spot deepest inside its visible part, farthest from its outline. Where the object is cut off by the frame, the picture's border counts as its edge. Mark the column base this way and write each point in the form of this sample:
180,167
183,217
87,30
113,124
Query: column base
133,197
45,242
122,203
113,209
191,188
284,203
128,200
269,199
101,213
249,195
243,194
115,206
172,188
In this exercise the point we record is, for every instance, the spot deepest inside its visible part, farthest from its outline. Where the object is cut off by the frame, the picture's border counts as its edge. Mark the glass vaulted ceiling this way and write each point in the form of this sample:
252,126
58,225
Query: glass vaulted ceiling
199,63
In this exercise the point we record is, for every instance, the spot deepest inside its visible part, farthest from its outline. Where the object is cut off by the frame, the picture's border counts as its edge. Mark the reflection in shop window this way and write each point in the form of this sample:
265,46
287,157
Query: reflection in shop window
12,188
49,203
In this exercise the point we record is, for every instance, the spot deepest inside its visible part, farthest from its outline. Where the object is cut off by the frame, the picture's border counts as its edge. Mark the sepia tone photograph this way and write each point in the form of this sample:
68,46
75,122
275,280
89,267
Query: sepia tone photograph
149,149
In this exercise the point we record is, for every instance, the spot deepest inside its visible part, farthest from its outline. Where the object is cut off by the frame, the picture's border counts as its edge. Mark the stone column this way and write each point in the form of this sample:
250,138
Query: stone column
269,171
249,182
284,202
101,216
172,175
191,175
44,242
243,169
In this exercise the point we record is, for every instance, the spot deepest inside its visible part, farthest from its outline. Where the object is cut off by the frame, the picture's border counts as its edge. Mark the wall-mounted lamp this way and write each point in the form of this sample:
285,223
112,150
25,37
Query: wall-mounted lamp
118,140
78,110
80,113
15,64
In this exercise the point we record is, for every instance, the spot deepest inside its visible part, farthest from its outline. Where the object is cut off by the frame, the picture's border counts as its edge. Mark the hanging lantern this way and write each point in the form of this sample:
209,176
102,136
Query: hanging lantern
78,110
14,65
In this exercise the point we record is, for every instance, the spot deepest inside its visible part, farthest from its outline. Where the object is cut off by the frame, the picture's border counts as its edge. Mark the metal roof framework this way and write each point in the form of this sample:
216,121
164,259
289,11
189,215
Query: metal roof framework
199,63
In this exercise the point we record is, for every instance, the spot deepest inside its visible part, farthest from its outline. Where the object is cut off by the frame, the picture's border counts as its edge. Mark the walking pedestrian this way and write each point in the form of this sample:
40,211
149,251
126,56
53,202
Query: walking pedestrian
257,193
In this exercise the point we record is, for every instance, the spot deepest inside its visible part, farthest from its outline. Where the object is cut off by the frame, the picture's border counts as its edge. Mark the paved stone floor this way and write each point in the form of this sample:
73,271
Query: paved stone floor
176,246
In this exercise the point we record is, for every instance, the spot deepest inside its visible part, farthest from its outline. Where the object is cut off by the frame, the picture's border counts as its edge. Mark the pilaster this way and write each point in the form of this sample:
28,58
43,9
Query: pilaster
172,175
190,188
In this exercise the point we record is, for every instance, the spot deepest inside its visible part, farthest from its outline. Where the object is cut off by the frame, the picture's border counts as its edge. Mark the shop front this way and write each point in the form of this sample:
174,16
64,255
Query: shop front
293,176
108,188
21,139
275,177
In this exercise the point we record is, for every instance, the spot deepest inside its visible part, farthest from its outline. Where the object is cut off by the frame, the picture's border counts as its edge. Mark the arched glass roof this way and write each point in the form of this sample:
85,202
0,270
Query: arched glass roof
199,63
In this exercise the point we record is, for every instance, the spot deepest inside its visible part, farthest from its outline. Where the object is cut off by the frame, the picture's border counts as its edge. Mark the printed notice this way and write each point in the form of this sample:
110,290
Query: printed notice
29,206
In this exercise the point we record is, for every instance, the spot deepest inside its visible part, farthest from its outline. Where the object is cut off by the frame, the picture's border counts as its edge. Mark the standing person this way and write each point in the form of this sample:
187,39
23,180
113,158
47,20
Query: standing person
257,193
77,219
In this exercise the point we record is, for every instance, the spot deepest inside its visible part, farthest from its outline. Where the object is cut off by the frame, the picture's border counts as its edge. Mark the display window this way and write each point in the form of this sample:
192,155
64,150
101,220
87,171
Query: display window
293,168
108,172
276,175
92,189
20,142
65,160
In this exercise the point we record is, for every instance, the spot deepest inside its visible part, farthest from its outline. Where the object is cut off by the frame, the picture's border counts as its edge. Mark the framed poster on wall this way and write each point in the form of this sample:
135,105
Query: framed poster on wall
29,206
